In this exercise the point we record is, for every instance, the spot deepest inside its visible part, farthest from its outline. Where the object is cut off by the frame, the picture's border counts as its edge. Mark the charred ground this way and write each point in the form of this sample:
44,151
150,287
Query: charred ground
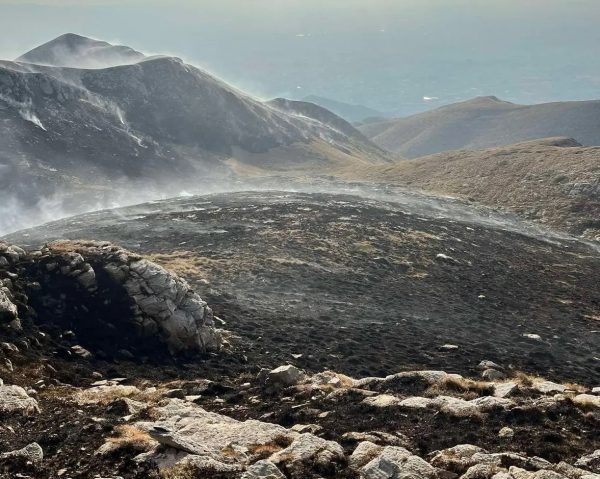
368,287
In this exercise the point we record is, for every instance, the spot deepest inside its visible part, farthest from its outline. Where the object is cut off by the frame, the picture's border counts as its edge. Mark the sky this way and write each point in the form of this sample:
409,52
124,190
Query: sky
397,56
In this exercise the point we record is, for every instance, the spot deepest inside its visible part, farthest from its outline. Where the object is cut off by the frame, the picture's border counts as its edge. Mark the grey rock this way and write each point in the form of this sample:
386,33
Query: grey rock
504,390
481,471
14,399
486,364
492,375
308,450
32,454
284,376
587,401
506,433
175,393
81,352
548,387
395,463
8,310
456,459
263,470
590,461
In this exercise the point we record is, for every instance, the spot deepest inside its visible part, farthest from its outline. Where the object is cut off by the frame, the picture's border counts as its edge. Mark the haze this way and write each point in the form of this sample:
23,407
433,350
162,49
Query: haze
397,56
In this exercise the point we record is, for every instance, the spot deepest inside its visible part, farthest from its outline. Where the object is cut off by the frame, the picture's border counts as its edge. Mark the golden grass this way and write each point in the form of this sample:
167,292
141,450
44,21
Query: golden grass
131,437
105,395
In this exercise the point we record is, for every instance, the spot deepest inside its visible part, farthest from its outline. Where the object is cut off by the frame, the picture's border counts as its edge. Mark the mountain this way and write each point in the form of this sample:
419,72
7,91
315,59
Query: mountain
348,111
319,114
486,122
71,50
155,125
553,181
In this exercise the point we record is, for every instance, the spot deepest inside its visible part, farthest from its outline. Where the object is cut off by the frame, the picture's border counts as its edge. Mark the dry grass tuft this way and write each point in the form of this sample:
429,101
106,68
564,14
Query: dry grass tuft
105,395
131,437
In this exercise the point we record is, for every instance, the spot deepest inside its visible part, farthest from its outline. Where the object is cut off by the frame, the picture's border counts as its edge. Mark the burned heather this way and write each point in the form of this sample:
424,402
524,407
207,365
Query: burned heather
317,336
369,287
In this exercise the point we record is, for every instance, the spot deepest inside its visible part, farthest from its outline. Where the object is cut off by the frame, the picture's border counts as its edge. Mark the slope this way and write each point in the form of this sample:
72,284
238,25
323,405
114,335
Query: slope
486,122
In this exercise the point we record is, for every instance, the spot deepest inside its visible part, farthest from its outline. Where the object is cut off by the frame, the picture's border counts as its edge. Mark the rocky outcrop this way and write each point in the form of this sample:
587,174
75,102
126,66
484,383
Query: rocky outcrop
112,300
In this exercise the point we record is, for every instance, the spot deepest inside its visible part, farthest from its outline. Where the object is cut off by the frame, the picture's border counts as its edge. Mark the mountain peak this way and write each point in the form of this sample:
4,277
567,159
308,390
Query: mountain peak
77,51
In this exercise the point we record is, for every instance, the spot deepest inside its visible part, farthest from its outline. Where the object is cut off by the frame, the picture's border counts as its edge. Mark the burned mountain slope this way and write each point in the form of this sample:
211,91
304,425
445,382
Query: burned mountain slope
366,286
155,120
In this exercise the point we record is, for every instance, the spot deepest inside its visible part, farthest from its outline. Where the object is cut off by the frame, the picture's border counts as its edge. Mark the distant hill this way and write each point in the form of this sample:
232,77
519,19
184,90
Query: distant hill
553,181
71,50
155,121
349,112
486,122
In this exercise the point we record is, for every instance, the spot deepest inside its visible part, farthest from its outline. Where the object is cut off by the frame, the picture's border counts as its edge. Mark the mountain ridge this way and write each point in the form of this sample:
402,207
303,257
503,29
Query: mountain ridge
159,121
486,122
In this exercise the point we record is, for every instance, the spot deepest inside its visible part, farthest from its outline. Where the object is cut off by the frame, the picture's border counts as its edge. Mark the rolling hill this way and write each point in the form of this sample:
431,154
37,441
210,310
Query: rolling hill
486,122
554,181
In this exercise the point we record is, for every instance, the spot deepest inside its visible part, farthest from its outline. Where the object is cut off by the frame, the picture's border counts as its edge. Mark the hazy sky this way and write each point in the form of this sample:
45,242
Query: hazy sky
387,54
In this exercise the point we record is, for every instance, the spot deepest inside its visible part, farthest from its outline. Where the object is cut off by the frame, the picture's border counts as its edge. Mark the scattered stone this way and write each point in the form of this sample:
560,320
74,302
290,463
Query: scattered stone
443,258
449,347
284,376
596,390
15,399
189,428
8,310
81,352
382,400
504,390
492,375
303,428
263,470
506,433
486,364
105,393
397,462
416,402
548,387
590,461
30,454
364,453
309,450
481,471
587,401
537,337
376,437
570,471
175,393
456,459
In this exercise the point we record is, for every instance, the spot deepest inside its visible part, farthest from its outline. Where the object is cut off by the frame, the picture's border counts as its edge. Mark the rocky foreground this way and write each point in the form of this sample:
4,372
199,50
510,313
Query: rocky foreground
113,367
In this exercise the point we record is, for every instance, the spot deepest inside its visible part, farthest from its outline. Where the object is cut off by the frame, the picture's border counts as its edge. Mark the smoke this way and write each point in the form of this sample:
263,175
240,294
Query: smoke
25,109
